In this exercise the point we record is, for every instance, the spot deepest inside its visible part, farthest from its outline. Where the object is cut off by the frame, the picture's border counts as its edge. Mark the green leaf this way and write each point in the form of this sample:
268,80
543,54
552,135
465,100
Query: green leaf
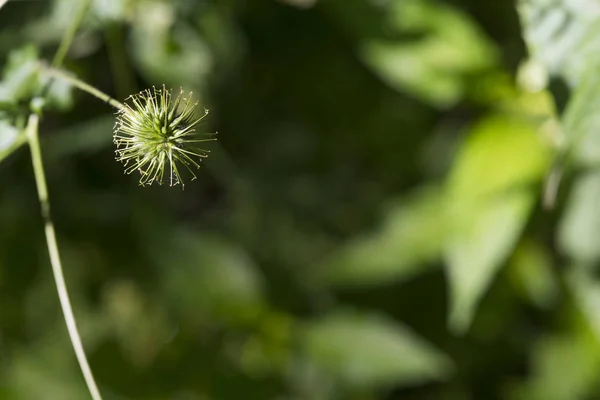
564,367
501,153
477,249
157,41
531,272
22,80
59,94
11,138
579,230
112,10
205,274
586,291
410,238
364,350
21,75
434,66
581,120
489,200
563,35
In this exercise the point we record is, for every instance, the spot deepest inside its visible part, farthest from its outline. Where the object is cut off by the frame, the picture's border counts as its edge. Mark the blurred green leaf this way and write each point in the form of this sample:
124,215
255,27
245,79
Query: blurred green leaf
364,350
411,237
434,66
579,229
139,326
169,52
59,94
478,248
565,367
531,271
581,121
563,35
205,274
46,370
112,10
501,153
21,80
489,201
586,291
20,76
11,138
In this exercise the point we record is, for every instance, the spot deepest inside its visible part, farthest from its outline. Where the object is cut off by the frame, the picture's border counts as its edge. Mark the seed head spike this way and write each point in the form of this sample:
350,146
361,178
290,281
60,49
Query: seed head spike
153,131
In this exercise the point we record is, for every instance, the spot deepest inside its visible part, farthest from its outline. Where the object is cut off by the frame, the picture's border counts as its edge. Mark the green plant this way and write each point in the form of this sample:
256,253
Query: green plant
154,132
151,134
379,234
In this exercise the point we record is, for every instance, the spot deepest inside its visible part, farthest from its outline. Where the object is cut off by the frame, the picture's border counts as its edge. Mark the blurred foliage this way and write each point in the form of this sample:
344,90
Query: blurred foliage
370,224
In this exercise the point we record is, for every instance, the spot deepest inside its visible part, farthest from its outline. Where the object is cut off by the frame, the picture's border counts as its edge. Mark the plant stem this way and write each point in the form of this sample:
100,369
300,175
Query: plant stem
63,295
78,83
69,35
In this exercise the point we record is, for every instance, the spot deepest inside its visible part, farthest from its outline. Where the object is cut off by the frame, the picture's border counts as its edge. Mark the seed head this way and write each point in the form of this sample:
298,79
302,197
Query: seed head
154,131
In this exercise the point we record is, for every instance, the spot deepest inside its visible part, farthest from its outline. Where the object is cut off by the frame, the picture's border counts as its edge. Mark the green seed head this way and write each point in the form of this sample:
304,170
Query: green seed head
155,132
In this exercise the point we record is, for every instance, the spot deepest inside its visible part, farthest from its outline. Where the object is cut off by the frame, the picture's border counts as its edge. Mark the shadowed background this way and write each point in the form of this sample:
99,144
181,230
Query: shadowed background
368,225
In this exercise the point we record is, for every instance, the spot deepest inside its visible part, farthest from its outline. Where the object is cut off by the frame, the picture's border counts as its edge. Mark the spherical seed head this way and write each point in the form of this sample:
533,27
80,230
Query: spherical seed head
154,132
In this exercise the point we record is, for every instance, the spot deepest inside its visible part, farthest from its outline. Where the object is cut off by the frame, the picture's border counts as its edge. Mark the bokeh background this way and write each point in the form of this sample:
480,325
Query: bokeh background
369,225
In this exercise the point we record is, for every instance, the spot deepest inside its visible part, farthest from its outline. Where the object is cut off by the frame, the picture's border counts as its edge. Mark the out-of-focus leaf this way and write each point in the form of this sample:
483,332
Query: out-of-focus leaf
204,274
586,291
112,10
168,52
565,367
59,94
412,236
11,139
530,270
139,326
50,364
270,351
479,246
563,35
580,226
581,121
21,79
432,67
489,200
500,154
365,350
20,76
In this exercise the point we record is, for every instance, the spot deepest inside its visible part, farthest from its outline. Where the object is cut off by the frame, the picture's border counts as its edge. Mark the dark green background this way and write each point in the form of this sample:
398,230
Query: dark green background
234,288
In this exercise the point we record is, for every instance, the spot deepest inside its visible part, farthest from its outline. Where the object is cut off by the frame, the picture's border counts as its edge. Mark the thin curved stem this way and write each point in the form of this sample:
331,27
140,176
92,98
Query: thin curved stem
78,83
63,295
69,35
